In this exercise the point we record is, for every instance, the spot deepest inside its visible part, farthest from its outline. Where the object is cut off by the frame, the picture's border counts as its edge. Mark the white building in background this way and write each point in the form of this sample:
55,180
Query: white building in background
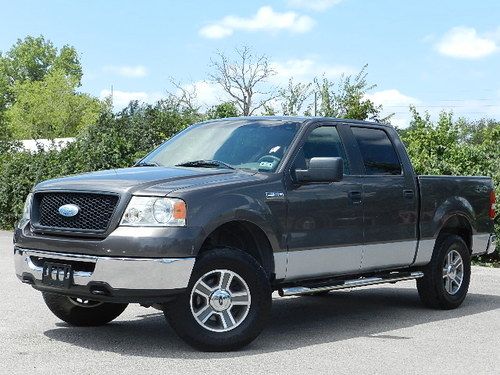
46,144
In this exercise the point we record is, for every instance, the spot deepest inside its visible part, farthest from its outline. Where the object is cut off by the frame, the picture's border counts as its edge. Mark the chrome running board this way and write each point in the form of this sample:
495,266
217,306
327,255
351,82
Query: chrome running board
347,284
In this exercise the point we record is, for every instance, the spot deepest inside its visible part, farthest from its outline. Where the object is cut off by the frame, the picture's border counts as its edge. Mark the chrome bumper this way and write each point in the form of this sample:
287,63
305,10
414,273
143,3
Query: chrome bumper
119,273
491,244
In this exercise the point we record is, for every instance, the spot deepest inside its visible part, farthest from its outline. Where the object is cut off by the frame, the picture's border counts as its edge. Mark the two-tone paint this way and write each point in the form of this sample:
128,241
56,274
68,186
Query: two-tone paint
358,225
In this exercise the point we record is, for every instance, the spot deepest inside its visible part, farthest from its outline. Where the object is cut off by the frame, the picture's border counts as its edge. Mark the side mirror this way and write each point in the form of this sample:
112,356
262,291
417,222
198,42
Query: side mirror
322,170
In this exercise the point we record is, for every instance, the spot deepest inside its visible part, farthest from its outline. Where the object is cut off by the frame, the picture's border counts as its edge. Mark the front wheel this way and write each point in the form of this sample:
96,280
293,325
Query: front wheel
446,278
226,304
82,312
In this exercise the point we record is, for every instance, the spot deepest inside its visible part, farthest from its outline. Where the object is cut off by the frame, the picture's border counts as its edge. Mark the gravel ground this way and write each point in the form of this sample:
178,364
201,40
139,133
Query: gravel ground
379,330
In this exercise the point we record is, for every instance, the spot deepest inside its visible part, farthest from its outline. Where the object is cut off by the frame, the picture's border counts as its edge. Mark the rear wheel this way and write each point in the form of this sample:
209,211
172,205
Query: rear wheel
82,312
227,302
446,278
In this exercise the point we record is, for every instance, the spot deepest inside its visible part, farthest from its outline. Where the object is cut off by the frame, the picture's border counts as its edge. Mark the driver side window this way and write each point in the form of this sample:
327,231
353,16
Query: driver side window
324,141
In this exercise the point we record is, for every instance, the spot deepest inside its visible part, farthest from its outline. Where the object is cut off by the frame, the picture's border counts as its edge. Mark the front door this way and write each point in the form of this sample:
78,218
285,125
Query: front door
325,220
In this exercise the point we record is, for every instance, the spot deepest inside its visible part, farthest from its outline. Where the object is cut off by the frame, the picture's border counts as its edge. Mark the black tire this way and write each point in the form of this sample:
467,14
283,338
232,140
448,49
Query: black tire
81,313
180,313
431,287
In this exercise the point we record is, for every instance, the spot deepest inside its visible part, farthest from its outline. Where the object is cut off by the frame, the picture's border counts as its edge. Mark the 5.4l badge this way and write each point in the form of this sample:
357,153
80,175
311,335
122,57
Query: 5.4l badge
275,195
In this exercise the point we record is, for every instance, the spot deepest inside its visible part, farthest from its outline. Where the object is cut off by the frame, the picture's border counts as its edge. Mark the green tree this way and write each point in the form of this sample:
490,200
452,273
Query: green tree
50,107
244,79
118,139
347,99
32,59
268,110
223,110
454,147
294,97
431,145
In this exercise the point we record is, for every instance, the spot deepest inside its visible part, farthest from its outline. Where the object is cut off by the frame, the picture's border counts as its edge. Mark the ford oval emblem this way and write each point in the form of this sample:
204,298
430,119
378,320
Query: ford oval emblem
69,210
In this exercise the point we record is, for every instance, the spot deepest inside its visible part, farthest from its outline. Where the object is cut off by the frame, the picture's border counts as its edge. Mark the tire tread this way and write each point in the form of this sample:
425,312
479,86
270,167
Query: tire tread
82,316
179,316
430,289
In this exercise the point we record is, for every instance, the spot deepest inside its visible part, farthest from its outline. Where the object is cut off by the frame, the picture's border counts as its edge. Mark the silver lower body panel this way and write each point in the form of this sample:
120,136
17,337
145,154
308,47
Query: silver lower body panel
480,243
491,244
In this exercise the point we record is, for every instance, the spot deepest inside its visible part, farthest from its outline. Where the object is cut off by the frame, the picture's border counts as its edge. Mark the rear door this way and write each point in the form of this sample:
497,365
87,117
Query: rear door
325,220
389,201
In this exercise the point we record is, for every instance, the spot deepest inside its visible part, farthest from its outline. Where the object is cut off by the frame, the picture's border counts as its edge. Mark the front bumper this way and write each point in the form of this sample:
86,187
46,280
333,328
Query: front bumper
143,280
123,242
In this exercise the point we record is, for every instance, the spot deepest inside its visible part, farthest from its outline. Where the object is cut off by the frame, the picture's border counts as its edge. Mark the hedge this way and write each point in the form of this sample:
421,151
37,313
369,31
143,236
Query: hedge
115,141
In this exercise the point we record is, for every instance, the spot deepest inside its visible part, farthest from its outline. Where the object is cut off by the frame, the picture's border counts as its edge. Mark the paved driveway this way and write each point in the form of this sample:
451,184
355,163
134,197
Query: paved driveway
380,330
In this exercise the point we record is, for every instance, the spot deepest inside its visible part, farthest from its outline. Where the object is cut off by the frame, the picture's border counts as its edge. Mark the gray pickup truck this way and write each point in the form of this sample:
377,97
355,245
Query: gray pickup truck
215,219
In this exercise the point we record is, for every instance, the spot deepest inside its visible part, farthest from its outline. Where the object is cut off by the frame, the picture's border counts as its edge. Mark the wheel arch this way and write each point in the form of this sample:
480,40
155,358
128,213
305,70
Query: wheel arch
244,235
459,225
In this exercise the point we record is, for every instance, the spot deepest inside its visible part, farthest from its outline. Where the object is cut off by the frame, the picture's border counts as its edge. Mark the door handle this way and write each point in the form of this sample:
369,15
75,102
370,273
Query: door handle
355,196
408,194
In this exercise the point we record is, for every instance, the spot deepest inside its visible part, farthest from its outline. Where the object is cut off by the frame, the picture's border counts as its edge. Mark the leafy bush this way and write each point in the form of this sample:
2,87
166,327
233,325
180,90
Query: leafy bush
455,147
115,141
118,140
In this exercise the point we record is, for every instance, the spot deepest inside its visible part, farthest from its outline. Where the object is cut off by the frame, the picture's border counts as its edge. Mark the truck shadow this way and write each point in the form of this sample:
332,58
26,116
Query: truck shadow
296,322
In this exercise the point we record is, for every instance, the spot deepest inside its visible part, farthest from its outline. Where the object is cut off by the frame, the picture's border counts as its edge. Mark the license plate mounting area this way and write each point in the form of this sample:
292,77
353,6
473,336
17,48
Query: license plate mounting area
57,275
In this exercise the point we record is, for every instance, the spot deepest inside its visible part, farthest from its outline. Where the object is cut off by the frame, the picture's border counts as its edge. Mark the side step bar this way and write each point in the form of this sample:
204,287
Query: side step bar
347,284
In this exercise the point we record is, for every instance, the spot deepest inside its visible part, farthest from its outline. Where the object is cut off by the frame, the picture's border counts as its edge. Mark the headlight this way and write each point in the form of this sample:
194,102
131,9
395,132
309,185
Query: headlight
26,211
155,212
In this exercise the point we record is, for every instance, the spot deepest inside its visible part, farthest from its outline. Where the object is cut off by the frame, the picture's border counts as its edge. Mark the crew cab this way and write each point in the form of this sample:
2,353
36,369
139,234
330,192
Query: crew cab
218,217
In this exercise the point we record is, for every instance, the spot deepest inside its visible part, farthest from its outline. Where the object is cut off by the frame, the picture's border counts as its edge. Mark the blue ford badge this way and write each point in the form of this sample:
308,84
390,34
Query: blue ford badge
69,210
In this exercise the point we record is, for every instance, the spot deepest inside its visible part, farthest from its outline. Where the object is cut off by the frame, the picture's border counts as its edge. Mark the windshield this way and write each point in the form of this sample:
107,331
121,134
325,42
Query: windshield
256,144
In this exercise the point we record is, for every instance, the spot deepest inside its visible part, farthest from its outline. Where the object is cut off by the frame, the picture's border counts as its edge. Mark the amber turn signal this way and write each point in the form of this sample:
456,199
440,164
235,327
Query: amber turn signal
180,210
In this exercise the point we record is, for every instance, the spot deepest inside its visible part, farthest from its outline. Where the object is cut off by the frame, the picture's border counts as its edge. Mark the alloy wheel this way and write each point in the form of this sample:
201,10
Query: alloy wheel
453,272
220,300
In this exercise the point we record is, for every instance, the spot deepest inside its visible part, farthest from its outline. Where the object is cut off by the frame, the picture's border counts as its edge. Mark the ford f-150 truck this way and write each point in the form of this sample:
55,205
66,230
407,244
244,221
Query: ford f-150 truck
218,217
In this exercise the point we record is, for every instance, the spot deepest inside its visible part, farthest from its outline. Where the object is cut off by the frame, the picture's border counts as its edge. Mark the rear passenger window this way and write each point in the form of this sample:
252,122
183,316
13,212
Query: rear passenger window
379,155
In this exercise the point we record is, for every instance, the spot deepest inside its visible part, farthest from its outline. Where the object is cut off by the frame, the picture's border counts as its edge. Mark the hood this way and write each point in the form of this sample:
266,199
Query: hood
131,180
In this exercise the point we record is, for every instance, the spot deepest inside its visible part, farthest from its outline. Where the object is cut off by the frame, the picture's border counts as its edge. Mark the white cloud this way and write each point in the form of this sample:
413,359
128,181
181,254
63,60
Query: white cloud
474,109
122,98
392,98
216,31
307,69
206,93
317,5
393,101
465,43
137,71
266,19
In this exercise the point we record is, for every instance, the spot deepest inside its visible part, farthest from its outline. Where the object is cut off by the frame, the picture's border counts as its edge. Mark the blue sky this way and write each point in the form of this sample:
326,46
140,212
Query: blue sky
434,54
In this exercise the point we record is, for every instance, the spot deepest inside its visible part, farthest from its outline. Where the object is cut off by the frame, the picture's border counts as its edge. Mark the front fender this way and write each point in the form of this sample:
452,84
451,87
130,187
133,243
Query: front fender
238,207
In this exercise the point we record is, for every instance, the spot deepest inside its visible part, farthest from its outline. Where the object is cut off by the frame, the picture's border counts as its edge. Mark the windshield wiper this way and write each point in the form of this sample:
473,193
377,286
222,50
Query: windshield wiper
147,164
205,164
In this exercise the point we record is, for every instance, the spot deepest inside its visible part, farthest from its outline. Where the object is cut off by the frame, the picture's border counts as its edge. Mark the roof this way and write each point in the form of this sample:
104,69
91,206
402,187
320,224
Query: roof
305,119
